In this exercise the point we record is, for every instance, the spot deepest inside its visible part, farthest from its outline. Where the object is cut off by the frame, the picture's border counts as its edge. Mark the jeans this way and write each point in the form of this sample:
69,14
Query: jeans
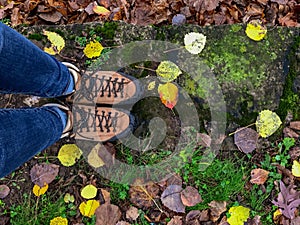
25,69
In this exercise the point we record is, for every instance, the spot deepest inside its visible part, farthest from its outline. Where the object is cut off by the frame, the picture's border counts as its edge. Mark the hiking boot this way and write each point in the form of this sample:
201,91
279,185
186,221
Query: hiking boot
109,88
67,132
101,123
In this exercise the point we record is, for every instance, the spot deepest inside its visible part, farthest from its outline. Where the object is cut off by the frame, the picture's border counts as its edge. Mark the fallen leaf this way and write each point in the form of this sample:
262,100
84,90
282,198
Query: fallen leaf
238,215
280,2
295,125
57,42
151,85
176,220
100,10
288,200
93,49
255,221
4,191
246,139
89,191
167,71
43,173
69,198
216,209
171,198
105,195
267,123
93,157
194,42
259,176
59,221
88,208
68,154
203,139
108,214
52,17
37,190
290,133
192,218
168,94
296,168
143,195
276,216
132,213
190,196
255,30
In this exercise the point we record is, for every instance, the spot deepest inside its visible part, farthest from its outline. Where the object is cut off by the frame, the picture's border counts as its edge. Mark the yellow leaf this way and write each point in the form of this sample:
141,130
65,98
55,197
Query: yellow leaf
238,215
276,216
88,209
68,154
94,158
194,42
100,10
267,123
168,94
151,85
57,43
296,168
69,198
89,191
59,221
255,30
167,71
93,49
37,190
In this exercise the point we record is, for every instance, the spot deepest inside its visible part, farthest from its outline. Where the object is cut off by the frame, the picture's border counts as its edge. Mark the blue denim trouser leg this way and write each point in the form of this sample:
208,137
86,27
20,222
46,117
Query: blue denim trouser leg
26,69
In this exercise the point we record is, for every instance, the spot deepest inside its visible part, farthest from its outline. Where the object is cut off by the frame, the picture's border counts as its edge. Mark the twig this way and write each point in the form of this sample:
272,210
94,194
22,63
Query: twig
173,49
243,128
141,67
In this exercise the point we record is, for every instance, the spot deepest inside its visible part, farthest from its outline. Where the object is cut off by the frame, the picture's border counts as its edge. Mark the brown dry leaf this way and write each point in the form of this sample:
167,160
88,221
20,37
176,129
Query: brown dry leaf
204,216
216,209
259,176
255,220
290,133
52,17
287,20
171,198
4,191
295,125
254,10
43,173
105,195
15,17
107,214
192,218
294,153
132,213
90,8
143,195
264,2
176,220
203,139
190,196
2,10
246,139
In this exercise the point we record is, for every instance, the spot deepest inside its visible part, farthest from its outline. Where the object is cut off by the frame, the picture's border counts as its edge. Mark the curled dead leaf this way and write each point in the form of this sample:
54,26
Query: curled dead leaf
216,209
259,176
132,213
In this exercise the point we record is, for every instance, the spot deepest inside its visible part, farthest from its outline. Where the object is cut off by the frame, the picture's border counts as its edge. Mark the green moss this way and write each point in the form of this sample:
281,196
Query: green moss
36,36
107,30
290,101
236,27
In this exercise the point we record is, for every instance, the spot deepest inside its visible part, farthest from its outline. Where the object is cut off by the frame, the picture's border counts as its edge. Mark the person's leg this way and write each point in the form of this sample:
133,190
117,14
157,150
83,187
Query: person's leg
27,69
26,132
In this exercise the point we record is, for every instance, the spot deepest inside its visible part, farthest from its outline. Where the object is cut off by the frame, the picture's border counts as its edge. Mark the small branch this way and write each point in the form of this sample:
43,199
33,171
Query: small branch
141,67
243,128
